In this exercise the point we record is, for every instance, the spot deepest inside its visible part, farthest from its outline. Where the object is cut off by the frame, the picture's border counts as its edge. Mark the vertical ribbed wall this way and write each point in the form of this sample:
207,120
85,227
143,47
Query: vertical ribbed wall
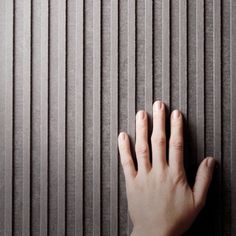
72,76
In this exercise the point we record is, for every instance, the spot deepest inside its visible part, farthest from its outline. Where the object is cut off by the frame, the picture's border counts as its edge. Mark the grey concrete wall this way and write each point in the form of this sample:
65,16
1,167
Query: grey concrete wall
72,75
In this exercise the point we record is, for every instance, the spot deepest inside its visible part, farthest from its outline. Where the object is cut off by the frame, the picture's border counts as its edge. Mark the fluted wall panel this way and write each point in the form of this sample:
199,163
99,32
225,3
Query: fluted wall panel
74,73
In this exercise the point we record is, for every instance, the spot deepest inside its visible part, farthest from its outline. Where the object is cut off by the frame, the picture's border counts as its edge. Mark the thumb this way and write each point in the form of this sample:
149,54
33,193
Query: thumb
202,182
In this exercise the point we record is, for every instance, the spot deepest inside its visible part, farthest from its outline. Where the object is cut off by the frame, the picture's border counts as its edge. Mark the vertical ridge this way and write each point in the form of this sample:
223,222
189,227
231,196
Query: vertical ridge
131,80
57,117
233,111
79,114
183,73
166,52
114,118
44,118
6,112
2,113
9,119
183,57
96,117
39,126
148,56
217,103
75,129
200,79
26,104
61,90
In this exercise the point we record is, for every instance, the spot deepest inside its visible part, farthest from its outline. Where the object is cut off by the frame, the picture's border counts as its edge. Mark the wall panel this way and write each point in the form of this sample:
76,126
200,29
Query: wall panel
74,73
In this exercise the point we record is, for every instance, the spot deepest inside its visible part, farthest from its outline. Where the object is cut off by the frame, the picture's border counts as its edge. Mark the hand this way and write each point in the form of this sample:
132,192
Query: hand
160,201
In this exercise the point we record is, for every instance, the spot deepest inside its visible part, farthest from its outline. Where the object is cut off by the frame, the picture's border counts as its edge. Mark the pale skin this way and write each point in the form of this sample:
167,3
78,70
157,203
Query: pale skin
160,200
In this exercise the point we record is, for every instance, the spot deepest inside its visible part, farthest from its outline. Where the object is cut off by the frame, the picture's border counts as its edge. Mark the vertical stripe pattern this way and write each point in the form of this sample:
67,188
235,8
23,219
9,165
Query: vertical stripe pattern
75,113
22,102
73,73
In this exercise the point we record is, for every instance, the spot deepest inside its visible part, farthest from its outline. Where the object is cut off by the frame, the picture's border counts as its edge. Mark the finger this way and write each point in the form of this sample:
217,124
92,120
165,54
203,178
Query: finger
159,135
176,143
142,149
125,156
202,182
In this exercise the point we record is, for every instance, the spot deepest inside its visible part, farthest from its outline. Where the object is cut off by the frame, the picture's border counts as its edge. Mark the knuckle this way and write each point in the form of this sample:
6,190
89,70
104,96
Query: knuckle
177,144
141,149
145,164
159,140
161,175
127,163
178,179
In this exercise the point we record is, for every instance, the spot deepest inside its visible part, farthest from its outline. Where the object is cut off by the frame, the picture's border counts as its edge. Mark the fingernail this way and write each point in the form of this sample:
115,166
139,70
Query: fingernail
176,114
157,105
211,163
141,115
122,136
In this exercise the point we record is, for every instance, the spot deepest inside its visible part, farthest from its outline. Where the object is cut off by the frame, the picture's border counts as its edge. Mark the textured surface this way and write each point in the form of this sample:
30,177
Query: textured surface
73,74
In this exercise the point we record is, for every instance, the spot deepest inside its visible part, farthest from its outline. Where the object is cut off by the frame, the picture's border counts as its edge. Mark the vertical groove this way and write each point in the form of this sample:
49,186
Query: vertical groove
43,77
96,117
114,118
131,80
233,111
166,52
183,57
79,118
148,56
217,103
200,79
6,111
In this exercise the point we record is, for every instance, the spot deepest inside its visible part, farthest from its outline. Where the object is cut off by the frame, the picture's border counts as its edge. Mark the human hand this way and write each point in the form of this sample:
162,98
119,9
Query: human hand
160,201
